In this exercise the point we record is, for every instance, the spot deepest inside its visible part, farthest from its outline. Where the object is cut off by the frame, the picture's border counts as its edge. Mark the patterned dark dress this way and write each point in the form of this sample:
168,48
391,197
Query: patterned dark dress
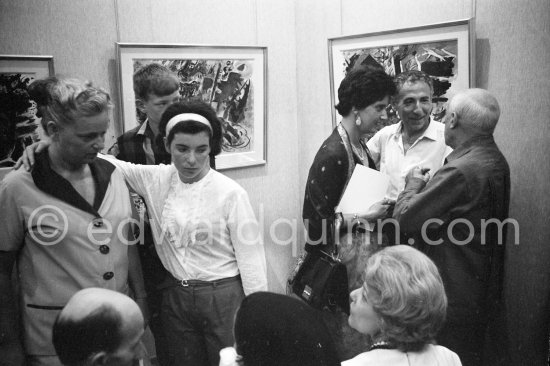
328,176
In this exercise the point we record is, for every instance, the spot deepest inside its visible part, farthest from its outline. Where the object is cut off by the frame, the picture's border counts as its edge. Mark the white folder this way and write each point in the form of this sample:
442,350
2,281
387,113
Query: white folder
366,186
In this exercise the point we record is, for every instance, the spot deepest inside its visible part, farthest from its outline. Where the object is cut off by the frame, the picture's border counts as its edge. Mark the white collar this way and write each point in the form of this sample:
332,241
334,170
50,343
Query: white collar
143,127
431,132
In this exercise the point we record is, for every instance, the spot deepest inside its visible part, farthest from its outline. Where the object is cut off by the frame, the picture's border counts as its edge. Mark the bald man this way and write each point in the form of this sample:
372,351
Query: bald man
448,217
99,327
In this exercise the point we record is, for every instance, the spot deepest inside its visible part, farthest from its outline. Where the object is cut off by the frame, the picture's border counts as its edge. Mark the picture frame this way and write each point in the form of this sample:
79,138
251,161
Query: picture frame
19,126
233,79
446,51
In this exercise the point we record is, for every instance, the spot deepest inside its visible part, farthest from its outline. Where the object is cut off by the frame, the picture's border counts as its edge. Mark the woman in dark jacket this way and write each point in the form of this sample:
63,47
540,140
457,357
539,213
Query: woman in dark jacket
363,96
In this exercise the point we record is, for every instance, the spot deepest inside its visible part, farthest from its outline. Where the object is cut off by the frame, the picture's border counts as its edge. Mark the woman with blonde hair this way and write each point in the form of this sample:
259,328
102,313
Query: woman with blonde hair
401,307
65,223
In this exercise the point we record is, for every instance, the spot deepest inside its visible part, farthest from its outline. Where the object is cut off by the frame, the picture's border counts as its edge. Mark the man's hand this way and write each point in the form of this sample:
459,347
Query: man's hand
27,159
418,172
378,210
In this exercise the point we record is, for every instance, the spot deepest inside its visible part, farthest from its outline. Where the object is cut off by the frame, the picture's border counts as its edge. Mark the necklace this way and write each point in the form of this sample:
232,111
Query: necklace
381,345
360,152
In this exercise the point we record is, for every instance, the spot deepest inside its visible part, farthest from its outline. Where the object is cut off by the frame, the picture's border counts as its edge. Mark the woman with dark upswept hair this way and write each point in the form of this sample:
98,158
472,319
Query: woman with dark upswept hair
363,96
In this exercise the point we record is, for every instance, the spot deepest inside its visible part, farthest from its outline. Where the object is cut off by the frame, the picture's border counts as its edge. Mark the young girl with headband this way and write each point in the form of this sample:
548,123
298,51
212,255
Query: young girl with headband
206,235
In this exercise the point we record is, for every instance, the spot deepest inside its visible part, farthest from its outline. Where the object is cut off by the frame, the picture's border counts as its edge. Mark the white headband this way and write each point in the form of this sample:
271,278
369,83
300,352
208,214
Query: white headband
186,117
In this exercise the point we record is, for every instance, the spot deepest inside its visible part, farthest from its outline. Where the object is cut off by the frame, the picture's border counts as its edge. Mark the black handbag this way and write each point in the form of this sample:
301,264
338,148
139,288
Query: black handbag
322,279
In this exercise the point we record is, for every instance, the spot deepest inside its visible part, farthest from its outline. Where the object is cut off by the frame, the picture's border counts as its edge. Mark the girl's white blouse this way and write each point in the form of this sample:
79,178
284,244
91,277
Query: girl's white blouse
205,230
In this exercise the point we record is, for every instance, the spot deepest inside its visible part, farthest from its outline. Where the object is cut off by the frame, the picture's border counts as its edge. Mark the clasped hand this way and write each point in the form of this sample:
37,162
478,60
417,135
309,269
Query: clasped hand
418,172
378,210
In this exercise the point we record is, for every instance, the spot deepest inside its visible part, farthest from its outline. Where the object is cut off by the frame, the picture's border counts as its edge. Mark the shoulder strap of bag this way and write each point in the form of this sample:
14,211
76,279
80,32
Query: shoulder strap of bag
337,224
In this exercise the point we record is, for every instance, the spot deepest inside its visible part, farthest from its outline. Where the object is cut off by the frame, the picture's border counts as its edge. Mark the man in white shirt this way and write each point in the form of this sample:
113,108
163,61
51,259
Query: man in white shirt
416,140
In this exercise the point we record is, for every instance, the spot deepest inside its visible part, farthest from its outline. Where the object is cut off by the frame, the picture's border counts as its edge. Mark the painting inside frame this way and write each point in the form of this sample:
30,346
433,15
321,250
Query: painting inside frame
444,51
19,126
230,79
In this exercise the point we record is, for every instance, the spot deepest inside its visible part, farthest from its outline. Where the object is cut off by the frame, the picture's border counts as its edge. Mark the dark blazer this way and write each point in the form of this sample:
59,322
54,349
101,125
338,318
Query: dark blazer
470,189
130,148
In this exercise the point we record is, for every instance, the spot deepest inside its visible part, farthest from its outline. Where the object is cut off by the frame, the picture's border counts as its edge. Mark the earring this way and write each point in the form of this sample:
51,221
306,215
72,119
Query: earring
358,120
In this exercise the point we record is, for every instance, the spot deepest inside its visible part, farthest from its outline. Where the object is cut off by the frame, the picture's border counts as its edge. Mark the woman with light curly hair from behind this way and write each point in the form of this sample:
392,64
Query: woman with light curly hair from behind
401,306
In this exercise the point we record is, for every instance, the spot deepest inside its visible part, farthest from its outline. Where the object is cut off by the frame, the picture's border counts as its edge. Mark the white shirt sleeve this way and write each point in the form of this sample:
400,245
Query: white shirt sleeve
138,176
247,243
374,148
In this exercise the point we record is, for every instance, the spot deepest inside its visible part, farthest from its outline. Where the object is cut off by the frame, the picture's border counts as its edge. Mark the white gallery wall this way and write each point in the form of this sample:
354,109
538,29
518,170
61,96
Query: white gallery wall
512,61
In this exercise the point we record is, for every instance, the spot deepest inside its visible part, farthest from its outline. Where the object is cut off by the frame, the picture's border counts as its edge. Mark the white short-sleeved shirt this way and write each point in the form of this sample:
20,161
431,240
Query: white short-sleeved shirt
428,151
205,230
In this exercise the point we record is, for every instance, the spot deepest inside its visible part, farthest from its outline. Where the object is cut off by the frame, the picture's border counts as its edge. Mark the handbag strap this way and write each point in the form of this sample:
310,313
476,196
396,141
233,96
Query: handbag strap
337,223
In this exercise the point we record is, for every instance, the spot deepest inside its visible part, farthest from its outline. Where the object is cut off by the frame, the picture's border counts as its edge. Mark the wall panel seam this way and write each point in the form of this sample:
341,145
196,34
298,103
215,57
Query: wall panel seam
117,20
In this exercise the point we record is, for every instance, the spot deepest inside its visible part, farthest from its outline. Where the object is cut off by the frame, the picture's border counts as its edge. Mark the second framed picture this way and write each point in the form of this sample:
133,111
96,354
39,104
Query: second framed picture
445,51
19,125
233,80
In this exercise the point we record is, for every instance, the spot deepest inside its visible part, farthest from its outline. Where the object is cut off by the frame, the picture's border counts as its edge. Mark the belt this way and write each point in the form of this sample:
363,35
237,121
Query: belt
200,283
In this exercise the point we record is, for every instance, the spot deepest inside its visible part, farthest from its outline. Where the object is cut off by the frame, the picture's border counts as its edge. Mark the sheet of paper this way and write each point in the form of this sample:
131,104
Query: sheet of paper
365,187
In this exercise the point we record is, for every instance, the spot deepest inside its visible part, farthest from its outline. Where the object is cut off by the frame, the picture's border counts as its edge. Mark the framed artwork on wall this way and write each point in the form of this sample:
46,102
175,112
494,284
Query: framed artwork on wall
19,125
445,51
233,80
